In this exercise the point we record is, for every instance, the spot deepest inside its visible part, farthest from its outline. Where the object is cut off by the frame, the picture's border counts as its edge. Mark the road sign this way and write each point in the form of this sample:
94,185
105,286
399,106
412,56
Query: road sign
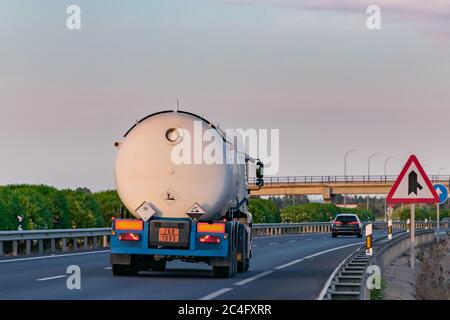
412,185
442,192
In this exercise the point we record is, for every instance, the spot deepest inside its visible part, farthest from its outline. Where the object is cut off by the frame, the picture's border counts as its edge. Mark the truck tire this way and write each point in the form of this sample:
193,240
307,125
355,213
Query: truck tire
242,241
247,265
124,270
158,265
230,270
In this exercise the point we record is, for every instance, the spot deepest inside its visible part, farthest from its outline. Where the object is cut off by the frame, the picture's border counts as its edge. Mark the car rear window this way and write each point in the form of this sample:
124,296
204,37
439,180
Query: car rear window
346,218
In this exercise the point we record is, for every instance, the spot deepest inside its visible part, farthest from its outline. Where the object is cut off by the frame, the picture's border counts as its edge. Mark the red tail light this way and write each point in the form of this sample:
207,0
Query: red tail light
337,222
129,236
209,239
353,222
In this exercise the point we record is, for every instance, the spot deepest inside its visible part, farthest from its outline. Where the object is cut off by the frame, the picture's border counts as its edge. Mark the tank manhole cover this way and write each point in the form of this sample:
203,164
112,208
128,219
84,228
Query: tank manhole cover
170,196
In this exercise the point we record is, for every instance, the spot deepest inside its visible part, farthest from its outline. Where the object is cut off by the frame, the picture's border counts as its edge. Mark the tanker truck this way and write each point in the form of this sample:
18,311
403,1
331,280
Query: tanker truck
191,211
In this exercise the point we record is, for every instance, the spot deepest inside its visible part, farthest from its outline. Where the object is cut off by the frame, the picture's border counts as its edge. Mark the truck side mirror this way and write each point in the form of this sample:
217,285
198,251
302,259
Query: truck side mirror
259,173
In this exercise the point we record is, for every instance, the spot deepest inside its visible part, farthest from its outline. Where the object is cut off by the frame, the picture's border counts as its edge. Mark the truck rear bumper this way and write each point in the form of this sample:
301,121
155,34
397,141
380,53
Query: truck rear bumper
222,252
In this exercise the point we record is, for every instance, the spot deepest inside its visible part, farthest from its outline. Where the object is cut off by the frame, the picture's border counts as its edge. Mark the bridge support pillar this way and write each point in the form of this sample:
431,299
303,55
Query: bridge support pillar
327,195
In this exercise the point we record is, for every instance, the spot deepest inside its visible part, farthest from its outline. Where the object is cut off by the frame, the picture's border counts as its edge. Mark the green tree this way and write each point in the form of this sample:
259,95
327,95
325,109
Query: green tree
109,203
264,211
10,208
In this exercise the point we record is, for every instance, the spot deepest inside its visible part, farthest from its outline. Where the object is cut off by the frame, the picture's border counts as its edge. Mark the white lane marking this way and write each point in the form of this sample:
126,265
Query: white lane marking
315,255
292,241
51,278
272,243
108,268
245,281
309,239
289,264
331,250
215,294
55,256
254,245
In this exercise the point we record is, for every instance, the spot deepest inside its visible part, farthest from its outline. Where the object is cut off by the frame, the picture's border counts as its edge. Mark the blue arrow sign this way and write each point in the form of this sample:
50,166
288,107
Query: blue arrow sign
442,192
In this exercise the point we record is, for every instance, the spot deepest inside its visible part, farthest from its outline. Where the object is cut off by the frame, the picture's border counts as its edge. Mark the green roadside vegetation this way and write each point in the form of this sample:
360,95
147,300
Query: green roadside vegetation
45,207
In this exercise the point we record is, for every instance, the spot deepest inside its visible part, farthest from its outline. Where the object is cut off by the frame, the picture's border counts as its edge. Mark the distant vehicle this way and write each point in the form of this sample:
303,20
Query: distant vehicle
346,224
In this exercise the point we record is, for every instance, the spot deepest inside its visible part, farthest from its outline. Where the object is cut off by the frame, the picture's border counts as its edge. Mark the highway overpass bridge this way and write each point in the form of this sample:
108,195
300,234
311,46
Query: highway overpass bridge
329,186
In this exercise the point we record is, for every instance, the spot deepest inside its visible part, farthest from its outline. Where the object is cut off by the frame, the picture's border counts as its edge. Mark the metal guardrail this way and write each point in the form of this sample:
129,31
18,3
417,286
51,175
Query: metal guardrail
339,179
52,241
349,279
13,243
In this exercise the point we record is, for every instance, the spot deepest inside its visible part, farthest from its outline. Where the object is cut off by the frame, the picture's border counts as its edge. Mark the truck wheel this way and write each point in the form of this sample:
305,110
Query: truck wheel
158,265
247,264
222,272
243,249
124,270
227,271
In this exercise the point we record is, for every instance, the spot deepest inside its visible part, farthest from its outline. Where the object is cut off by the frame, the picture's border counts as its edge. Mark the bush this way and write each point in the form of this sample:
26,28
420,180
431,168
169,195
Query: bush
264,211
319,212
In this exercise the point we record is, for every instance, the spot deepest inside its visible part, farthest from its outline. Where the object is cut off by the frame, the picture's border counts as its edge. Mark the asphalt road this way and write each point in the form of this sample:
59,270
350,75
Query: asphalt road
283,267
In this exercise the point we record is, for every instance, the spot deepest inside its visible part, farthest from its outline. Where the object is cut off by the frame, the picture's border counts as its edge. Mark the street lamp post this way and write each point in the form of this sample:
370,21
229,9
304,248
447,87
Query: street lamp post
385,178
345,173
368,174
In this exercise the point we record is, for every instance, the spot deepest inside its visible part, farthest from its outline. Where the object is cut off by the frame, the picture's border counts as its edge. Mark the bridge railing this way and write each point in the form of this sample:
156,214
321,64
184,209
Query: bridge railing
339,179
13,243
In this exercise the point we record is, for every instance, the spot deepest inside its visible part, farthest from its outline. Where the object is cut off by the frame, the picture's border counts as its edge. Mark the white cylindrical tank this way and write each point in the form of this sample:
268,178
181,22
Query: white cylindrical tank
148,168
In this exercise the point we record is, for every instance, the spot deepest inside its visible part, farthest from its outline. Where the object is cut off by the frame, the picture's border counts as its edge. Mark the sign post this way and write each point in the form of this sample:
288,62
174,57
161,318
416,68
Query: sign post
412,186
442,192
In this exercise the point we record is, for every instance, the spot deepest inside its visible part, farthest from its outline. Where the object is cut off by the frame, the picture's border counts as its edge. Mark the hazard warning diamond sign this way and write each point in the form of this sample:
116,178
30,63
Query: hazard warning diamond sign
412,185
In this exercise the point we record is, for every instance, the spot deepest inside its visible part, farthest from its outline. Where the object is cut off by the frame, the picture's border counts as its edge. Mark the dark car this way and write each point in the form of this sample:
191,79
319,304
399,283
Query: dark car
346,224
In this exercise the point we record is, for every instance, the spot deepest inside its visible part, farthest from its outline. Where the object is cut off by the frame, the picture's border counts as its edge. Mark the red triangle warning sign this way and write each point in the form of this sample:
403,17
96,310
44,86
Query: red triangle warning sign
412,185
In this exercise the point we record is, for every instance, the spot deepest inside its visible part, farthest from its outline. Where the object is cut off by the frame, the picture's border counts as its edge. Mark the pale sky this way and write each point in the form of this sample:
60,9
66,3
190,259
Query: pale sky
309,68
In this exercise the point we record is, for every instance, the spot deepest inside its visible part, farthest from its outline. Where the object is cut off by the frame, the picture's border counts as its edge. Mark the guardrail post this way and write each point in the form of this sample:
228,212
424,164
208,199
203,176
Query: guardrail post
105,241
64,244
28,247
14,251
85,243
41,246
52,245
75,244
95,240
1,248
